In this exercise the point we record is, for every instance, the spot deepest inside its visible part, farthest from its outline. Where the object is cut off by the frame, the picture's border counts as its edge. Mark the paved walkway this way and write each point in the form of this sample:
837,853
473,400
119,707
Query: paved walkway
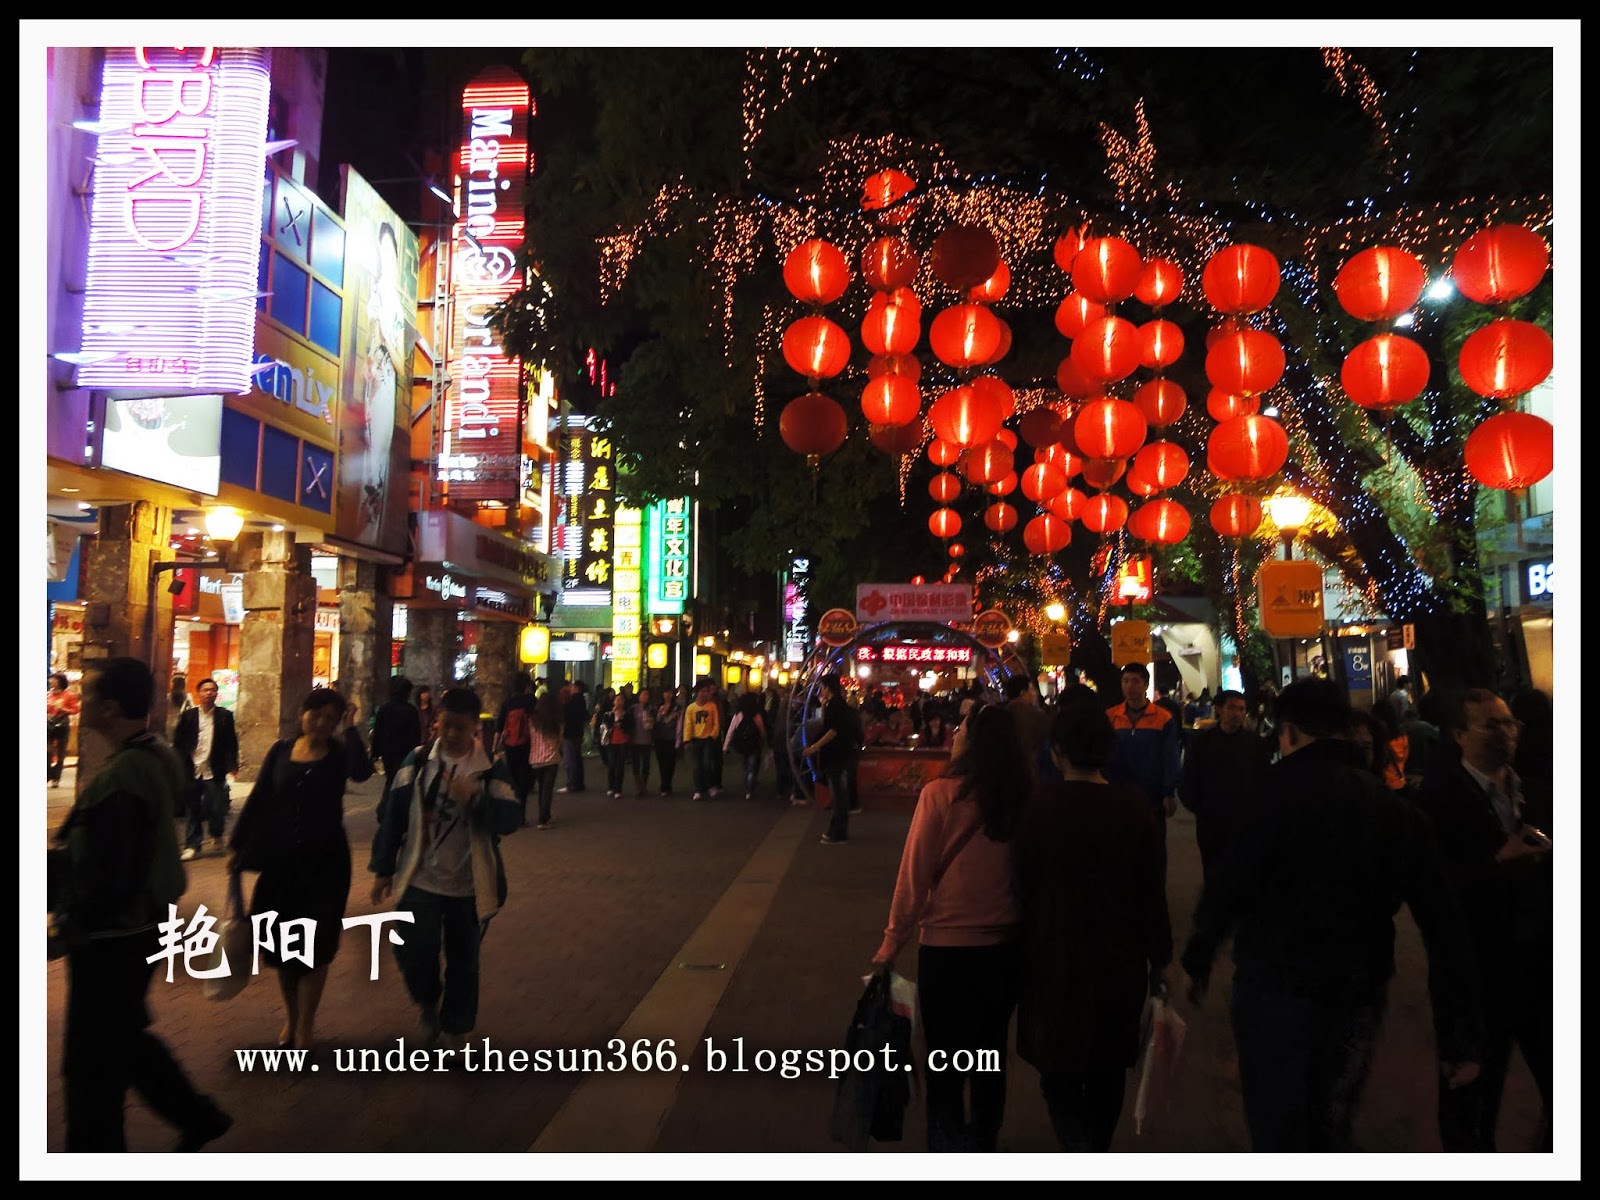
648,918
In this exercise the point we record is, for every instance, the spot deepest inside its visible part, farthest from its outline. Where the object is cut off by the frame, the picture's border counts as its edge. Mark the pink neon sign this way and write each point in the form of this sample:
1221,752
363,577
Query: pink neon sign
175,229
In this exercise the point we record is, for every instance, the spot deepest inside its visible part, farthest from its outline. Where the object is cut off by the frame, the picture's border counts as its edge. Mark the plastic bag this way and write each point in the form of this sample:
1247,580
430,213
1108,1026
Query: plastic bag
233,940
872,1103
1164,1030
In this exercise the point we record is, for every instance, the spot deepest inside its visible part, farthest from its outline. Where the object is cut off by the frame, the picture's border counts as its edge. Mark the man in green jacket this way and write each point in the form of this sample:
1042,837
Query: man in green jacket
122,873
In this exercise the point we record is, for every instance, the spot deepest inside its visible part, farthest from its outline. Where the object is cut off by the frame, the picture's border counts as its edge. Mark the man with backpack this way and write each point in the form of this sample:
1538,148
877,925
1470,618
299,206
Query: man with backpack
514,735
747,736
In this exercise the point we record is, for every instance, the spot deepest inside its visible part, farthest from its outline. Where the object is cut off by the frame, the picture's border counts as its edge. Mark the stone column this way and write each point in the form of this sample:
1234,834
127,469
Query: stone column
366,621
275,642
127,615
497,662
430,648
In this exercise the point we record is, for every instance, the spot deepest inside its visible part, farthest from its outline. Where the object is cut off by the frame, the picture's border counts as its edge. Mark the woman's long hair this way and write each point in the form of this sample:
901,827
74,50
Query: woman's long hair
546,715
994,770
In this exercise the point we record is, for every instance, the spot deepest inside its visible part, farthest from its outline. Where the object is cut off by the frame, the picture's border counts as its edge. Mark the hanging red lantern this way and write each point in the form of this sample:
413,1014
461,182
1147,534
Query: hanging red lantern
956,550
890,330
1380,283
1500,263
885,189
888,263
1072,381
988,463
1225,326
1003,347
1008,437
1104,513
816,271
1246,362
991,389
1164,522
992,288
1005,487
944,487
1067,247
1160,344
1067,503
1107,269
1240,279
813,424
1103,472
1076,311
890,400
1385,371
1059,457
1046,534
1506,358
917,581
904,365
1511,451
1159,284
1107,349
897,439
964,256
816,347
1224,406
964,335
1041,481
964,416
1109,428
1000,517
1161,401
1163,463
1236,515
940,452
1039,426
1247,447
944,522
1139,483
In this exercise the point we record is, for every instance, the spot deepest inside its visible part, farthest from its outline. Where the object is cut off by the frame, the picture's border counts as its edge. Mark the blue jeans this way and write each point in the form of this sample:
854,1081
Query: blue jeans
572,756
703,758
208,804
449,923
752,768
841,777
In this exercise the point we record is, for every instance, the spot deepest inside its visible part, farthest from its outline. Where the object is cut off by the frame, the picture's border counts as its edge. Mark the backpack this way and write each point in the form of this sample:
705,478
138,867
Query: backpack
517,728
747,738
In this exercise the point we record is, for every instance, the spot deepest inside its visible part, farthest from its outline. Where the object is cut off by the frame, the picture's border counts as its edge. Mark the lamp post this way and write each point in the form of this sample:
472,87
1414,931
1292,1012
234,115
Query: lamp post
1289,512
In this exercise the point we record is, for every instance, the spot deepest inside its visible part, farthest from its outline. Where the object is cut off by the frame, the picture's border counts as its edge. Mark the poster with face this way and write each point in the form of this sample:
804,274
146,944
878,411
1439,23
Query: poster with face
380,289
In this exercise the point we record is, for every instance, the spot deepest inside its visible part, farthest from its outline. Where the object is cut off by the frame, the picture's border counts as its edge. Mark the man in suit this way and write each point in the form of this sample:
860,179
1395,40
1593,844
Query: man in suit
207,740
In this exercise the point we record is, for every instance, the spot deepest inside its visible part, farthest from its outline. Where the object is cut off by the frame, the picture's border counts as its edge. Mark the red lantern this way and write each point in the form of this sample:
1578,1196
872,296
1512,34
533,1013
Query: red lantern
887,188
816,347
964,416
964,335
1107,349
942,453
1005,487
890,400
1163,463
989,463
1103,472
1059,457
1109,428
888,263
1379,284
944,487
992,288
964,256
1009,438
890,330
956,550
1506,358
945,523
903,296
813,424
1067,247
904,365
1039,426
1104,513
1236,515
1240,279
1500,263
1246,362
993,390
897,439
1076,311
1072,381
1138,483
1107,269
1041,481
1224,406
1159,283
1046,534
1160,344
1000,517
1248,447
1161,401
1004,348
1164,522
1225,326
1511,451
917,581
816,272
1385,371
1067,503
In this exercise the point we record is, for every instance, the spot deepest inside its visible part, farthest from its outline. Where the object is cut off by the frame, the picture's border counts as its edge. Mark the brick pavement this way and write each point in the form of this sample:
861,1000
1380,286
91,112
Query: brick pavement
600,909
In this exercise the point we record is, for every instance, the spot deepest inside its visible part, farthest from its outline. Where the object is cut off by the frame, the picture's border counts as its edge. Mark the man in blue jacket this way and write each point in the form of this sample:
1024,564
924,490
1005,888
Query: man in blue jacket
1146,755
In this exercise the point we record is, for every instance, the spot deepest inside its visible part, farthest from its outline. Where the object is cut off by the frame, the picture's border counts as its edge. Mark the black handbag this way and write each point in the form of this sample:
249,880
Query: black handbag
872,1103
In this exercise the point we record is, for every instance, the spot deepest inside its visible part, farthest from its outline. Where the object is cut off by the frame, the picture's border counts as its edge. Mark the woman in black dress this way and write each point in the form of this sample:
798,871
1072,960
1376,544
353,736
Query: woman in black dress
291,830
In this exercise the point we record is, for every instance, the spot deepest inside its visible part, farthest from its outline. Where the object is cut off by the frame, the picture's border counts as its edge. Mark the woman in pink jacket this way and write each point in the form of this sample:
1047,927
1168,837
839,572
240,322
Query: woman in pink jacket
955,890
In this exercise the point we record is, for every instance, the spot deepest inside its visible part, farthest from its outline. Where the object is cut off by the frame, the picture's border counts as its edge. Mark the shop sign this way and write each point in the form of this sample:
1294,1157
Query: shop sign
797,610
1538,581
670,540
585,511
913,652
836,626
1290,595
327,620
990,627
1130,642
571,650
1055,649
444,587
449,538
67,621
1357,664
493,600
950,603
175,227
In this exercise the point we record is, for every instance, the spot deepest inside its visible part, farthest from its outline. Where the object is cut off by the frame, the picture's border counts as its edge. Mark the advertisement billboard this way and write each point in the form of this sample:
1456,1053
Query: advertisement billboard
171,439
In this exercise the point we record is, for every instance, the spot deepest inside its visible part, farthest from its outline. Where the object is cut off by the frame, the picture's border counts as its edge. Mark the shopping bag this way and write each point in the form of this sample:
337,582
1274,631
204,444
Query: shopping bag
233,941
871,1102
1163,1040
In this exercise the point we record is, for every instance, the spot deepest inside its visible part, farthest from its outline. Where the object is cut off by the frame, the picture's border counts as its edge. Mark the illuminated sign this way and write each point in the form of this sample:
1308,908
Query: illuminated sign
914,652
446,587
571,650
171,439
990,627
1290,596
175,230
533,646
1538,580
947,602
1134,584
1130,642
836,626
797,610
586,509
669,552
627,541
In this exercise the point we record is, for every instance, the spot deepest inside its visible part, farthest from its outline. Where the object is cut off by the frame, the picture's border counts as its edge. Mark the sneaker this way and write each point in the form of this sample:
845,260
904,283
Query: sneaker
563,791
749,795
715,792
212,1124
544,825
855,810
833,841
699,795
190,853
428,1023
799,802
663,792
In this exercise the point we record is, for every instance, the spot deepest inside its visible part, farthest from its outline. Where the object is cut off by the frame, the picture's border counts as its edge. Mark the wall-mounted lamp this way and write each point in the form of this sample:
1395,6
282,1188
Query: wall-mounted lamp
223,524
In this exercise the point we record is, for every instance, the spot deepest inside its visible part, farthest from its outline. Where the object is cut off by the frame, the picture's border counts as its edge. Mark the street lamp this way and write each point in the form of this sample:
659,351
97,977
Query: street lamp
1289,513
1055,612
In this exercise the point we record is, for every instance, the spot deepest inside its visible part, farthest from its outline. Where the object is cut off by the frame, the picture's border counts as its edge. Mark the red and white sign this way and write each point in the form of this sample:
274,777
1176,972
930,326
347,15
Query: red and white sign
949,603
175,231
912,652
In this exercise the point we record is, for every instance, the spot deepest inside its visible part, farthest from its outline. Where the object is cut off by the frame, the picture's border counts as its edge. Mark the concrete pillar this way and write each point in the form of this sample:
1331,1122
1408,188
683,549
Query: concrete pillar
127,615
497,662
275,642
430,648
366,621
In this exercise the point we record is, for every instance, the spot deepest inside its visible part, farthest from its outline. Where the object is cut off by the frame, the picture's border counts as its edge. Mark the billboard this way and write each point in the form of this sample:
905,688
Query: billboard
669,548
171,439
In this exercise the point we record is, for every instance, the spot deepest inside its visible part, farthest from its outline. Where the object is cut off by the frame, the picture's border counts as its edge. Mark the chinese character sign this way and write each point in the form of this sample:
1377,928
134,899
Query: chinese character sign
950,603
627,539
669,552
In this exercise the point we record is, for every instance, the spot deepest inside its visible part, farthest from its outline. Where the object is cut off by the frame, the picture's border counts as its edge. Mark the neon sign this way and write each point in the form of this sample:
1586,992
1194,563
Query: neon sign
914,652
670,542
175,228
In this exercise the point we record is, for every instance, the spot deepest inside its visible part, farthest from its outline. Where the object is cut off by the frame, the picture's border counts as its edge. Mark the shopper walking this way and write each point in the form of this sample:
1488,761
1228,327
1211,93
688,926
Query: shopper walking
701,736
544,756
574,723
396,732
60,706
747,737
207,739
667,737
